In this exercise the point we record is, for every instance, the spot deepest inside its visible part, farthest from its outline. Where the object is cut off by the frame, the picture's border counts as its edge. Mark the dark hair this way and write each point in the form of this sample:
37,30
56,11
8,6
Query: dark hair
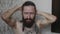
28,3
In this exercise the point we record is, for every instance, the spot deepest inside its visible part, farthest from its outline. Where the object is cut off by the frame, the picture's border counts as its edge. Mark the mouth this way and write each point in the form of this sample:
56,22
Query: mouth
28,20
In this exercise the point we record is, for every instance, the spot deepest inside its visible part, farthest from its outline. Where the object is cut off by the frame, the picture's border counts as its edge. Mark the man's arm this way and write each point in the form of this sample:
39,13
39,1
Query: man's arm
7,16
49,18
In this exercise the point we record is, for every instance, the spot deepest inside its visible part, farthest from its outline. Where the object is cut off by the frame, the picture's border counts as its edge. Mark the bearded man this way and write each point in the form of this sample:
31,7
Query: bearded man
29,23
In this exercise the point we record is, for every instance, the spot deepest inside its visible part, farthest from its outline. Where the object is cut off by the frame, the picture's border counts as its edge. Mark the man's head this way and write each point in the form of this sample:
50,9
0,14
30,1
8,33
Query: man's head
28,13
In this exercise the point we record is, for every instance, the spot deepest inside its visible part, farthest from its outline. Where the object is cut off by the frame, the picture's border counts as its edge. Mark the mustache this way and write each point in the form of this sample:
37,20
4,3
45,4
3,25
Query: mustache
23,20
28,19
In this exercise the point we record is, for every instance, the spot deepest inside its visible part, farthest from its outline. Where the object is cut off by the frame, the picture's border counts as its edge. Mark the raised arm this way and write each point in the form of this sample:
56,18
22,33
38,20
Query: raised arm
7,16
49,18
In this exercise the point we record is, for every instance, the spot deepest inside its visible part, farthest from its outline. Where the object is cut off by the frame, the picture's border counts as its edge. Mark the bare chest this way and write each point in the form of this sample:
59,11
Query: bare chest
19,27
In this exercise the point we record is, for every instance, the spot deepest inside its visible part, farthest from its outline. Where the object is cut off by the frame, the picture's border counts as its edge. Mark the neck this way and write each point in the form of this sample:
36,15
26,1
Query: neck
24,25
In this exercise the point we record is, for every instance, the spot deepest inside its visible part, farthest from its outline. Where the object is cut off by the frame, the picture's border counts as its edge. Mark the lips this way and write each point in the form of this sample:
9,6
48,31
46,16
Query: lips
28,20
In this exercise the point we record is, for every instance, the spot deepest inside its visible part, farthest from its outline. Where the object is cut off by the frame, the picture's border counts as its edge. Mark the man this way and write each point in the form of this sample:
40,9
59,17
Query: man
29,24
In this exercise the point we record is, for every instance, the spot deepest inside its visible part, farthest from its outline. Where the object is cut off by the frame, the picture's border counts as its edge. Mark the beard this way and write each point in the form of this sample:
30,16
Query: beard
28,22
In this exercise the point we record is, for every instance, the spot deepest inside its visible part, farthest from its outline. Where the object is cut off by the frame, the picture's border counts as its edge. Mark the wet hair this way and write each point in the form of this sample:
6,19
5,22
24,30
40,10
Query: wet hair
29,3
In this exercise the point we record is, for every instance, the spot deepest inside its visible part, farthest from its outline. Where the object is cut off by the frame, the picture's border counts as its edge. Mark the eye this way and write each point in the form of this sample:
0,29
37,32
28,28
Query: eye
25,12
31,12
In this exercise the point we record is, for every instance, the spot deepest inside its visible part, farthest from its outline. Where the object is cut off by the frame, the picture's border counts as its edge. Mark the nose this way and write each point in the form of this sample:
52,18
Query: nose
28,16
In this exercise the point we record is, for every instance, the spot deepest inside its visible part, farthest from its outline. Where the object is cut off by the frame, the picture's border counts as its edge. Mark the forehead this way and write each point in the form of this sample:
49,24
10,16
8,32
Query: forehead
29,9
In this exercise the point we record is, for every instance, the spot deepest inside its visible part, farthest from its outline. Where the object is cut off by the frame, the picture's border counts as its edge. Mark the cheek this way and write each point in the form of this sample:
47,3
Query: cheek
25,16
32,16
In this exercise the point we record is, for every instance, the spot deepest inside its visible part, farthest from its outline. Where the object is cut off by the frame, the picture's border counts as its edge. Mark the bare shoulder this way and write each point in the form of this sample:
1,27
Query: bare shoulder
40,23
18,24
